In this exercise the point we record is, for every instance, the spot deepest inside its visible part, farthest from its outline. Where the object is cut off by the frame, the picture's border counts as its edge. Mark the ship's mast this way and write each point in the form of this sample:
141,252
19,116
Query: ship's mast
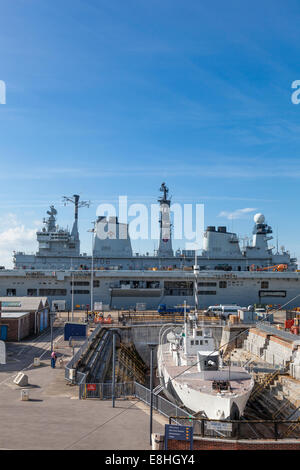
75,200
165,242
196,272
185,329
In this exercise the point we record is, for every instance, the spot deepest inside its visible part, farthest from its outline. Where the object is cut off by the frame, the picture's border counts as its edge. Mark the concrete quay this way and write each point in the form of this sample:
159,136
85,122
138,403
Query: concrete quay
54,417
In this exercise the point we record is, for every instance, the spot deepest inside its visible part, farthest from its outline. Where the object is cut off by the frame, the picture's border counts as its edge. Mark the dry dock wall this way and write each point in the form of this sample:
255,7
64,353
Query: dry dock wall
256,342
143,335
295,366
278,351
272,349
232,338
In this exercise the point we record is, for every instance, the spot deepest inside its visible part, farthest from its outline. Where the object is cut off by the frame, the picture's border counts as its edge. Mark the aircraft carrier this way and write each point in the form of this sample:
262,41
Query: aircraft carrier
224,272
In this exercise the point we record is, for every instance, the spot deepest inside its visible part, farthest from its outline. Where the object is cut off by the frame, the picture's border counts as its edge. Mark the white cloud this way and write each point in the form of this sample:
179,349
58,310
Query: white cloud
237,214
14,236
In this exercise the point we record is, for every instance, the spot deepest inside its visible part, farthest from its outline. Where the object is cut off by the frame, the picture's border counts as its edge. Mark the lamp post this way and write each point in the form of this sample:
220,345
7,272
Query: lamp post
92,230
196,272
152,346
114,332
52,316
72,282
114,370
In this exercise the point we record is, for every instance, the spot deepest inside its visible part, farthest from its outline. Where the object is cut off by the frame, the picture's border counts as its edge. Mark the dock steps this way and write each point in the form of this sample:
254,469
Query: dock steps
158,389
129,366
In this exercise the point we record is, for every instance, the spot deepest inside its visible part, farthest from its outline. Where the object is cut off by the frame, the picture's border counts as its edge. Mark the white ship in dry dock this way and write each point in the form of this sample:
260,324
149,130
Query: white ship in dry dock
191,373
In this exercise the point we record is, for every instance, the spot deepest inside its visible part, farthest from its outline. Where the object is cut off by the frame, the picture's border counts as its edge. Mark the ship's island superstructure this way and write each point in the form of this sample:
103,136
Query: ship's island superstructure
228,273
60,249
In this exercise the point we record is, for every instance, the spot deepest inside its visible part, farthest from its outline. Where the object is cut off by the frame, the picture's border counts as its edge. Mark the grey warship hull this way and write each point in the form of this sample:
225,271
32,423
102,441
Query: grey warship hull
117,278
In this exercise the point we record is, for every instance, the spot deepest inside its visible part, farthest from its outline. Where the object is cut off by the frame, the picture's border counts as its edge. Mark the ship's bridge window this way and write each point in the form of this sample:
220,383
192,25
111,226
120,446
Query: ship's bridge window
207,292
77,291
192,342
199,332
46,292
223,284
180,288
197,342
31,292
80,283
11,292
207,284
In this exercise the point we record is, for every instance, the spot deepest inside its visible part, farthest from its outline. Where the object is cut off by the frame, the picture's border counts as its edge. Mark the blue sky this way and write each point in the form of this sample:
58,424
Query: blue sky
108,98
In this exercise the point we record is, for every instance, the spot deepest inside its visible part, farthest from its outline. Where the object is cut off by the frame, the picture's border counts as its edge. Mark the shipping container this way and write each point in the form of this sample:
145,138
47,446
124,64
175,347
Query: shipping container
75,329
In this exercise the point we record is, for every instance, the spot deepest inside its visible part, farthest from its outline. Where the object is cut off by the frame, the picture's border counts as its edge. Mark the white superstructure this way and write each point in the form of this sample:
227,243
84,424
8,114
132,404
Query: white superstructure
192,373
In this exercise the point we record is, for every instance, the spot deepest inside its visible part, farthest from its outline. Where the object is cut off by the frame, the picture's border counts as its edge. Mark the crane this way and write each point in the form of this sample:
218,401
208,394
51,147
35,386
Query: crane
276,267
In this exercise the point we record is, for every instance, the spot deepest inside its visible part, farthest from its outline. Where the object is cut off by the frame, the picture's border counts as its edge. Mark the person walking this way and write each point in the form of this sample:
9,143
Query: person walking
53,359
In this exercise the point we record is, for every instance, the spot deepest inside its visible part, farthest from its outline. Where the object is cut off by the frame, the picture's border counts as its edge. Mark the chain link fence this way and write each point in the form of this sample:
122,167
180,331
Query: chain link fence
242,429
103,391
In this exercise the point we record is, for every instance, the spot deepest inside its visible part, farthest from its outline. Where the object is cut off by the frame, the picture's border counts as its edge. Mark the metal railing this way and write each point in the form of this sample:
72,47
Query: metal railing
76,341
241,429
204,427
160,404
129,319
103,391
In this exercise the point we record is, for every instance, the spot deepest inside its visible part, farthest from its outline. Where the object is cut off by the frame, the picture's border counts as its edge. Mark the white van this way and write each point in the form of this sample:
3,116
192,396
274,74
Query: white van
230,310
216,309
224,310
58,306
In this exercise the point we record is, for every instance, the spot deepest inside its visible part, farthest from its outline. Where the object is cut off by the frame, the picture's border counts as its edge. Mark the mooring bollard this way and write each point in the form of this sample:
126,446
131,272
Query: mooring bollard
36,362
24,395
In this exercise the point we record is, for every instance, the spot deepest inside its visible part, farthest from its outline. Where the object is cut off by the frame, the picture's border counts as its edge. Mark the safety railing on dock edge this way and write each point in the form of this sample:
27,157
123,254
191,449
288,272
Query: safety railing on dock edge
241,429
128,319
203,427
103,391
160,404
69,369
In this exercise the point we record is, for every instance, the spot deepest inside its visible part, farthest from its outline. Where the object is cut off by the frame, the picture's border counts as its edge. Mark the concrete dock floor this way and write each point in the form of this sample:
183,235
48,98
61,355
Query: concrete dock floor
54,417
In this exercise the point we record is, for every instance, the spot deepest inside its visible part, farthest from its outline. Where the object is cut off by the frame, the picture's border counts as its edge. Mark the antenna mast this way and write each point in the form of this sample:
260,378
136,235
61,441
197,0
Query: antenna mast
75,200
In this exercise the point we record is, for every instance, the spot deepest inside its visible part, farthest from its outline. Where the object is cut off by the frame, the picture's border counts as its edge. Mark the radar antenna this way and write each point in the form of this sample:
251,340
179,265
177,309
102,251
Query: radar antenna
164,190
75,200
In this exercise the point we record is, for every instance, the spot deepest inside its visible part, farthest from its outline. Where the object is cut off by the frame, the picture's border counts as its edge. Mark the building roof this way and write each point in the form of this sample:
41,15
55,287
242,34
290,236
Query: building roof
7,315
19,304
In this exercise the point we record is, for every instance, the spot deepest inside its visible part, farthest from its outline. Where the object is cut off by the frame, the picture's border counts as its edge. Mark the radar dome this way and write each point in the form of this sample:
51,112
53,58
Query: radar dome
259,218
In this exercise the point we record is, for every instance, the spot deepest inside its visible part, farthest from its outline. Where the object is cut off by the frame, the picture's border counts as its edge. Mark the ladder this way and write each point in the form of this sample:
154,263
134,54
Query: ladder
292,428
280,409
260,387
158,389
131,366
133,355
